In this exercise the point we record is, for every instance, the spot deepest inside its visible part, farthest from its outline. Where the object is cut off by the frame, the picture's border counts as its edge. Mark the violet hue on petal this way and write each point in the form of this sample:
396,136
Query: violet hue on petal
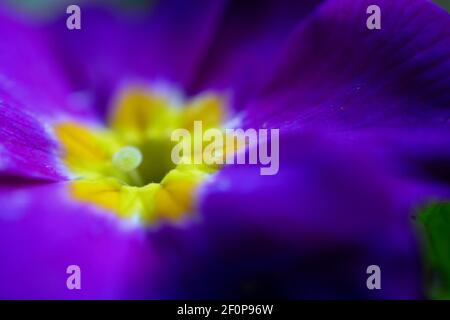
245,45
26,149
29,73
33,92
198,45
165,43
338,83
43,231
308,232
338,74
419,156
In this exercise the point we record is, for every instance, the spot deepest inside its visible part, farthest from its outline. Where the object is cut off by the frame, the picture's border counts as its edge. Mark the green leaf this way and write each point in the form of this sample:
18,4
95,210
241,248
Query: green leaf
435,220
444,4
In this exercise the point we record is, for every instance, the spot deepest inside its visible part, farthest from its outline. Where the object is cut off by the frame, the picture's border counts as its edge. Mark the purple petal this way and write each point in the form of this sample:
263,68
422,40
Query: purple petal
420,157
338,74
245,44
165,43
391,85
309,232
42,232
30,74
26,149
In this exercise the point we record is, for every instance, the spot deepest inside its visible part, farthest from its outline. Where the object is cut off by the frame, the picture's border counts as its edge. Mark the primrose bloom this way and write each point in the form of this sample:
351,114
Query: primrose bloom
87,177
127,168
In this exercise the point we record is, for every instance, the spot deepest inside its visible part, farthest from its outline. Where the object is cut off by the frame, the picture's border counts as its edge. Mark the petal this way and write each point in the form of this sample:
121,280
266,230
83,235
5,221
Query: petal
26,148
393,83
418,156
30,74
245,44
164,43
208,108
338,74
42,232
308,232
87,152
138,110
33,92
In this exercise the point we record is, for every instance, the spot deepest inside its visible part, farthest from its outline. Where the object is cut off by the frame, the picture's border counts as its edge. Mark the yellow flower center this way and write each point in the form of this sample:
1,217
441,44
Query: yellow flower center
127,167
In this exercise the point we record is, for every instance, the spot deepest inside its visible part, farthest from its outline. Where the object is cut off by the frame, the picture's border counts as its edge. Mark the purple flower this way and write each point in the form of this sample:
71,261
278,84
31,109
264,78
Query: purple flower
364,140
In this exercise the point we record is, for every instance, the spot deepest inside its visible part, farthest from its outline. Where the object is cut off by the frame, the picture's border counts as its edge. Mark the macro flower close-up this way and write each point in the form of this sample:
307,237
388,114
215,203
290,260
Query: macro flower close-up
122,175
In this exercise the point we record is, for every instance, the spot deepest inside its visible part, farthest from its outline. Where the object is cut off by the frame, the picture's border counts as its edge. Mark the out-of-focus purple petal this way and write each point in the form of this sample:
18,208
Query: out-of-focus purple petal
166,43
386,88
30,74
42,232
308,232
337,73
26,148
245,44
418,156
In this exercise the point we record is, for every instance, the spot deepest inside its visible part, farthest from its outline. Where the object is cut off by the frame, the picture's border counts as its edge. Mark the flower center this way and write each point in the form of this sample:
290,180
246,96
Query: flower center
127,159
127,168
157,161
